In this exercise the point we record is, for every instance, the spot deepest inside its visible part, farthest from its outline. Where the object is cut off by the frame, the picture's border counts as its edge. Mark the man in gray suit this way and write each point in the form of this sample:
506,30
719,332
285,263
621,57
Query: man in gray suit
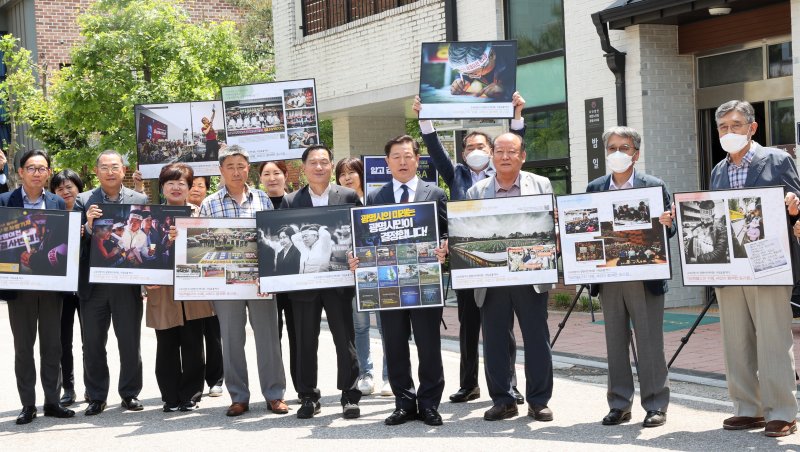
757,320
102,304
499,304
639,301
337,302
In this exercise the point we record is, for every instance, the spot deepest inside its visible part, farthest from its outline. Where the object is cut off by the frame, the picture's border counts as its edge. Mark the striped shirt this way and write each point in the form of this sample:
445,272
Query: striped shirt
737,175
222,205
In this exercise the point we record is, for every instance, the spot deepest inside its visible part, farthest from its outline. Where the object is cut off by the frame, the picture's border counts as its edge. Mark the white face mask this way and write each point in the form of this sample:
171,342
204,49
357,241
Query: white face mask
619,162
477,159
733,142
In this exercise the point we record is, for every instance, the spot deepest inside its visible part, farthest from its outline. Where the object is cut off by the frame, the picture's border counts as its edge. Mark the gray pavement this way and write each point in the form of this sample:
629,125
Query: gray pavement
694,419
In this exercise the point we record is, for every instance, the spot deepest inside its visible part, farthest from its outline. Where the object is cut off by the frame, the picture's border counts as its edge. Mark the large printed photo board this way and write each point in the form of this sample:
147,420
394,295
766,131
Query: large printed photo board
502,242
468,79
303,249
397,268
613,236
734,237
272,121
39,249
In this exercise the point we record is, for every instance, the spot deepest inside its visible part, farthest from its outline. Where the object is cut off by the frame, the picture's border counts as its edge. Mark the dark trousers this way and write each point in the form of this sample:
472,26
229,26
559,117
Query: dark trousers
121,305
71,305
397,328
498,311
29,311
285,309
214,370
180,367
307,317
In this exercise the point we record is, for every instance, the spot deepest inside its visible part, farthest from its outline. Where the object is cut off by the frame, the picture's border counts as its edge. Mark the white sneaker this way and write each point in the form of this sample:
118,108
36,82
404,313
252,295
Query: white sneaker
366,385
215,391
386,390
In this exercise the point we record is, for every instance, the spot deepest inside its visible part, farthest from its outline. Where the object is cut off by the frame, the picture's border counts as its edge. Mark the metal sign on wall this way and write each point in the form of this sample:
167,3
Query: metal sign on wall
595,154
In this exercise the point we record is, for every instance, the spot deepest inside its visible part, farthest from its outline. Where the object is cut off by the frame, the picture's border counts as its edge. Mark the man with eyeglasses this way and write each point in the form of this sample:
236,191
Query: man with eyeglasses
757,320
314,243
640,302
102,304
499,304
32,310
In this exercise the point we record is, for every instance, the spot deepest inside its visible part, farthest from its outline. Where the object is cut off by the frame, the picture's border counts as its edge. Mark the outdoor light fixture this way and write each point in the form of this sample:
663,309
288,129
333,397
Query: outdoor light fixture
719,11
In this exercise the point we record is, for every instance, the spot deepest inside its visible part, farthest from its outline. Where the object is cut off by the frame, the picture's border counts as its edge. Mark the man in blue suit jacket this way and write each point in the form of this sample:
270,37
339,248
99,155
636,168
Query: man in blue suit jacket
460,177
402,156
757,320
29,310
639,301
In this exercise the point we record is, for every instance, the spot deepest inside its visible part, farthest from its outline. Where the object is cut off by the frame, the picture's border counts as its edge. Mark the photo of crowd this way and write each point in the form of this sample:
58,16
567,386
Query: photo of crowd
298,98
704,227
581,221
747,223
254,116
532,258
305,117
631,215
34,242
589,251
634,247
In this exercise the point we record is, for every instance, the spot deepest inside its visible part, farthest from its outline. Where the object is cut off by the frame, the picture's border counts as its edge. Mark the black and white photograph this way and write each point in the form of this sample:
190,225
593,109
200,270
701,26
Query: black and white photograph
304,248
516,235
736,237
634,214
130,244
581,221
39,249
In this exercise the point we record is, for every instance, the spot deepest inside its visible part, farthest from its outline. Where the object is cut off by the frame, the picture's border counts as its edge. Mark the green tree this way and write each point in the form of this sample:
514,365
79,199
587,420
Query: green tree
134,52
256,34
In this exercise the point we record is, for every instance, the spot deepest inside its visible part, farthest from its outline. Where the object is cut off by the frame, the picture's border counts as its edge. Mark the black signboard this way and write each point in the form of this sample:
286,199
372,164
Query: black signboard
595,154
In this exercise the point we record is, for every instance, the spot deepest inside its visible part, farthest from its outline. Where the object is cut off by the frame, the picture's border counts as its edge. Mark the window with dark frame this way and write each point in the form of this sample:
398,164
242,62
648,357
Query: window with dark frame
321,15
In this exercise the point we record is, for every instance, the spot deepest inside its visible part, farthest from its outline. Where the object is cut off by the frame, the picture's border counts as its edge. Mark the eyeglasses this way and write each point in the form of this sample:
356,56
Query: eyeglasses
735,127
36,169
626,148
503,154
110,169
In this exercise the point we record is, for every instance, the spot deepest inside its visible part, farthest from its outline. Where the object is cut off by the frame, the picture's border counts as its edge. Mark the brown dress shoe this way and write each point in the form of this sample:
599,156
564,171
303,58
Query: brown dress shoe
237,409
743,423
278,406
780,428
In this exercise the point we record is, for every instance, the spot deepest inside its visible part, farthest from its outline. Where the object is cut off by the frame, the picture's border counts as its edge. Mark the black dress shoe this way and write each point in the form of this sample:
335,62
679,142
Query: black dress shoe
95,407
27,415
517,396
655,419
308,408
68,398
56,410
501,411
132,404
400,416
465,395
616,417
431,417
540,412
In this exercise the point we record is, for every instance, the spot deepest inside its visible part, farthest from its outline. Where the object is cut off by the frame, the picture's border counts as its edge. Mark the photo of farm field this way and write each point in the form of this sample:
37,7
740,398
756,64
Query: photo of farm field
483,242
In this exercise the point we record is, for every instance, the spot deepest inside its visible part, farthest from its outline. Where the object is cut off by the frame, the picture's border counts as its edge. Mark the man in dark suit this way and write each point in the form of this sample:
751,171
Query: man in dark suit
641,302
460,177
307,305
29,310
102,304
402,157
757,320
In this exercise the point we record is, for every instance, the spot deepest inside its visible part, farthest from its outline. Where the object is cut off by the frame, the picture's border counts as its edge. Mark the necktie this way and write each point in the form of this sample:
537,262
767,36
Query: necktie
404,195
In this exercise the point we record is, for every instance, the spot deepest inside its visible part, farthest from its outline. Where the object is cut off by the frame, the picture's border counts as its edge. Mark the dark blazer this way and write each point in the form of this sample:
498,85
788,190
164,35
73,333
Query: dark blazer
770,167
82,204
426,191
14,199
337,196
640,180
292,260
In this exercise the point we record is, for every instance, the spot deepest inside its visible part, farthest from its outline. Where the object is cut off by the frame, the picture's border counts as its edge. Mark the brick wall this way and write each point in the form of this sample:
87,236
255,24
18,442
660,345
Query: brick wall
57,30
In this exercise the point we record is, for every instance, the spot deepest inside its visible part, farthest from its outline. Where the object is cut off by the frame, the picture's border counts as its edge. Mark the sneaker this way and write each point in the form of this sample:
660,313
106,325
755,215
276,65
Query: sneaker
170,408
366,385
386,390
215,391
308,408
188,406
351,411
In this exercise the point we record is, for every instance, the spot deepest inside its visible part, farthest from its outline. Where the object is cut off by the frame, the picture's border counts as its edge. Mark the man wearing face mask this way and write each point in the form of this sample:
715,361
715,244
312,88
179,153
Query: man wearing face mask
757,320
460,177
641,302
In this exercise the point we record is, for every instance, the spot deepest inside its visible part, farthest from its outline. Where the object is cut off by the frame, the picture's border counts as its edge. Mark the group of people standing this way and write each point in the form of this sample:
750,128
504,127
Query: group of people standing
755,320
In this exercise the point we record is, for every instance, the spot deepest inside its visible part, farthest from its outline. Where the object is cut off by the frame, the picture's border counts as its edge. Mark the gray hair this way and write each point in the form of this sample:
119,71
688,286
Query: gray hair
230,151
741,106
112,153
624,132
